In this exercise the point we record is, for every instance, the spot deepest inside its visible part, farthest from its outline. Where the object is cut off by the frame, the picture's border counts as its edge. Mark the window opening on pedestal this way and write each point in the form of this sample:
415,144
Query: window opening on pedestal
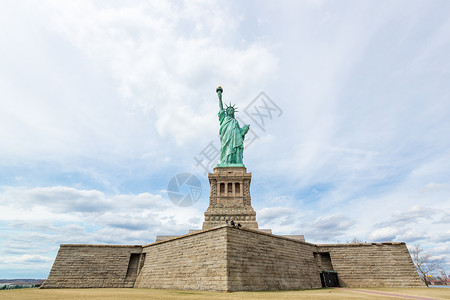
222,188
230,187
237,188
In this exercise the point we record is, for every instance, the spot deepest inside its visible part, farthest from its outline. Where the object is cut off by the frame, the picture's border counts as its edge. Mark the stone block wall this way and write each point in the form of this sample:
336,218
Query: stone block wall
260,261
373,265
91,266
192,262
231,259
323,260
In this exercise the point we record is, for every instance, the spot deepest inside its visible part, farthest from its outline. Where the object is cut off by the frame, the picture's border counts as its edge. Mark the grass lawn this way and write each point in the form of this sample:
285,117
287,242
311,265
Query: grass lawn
331,293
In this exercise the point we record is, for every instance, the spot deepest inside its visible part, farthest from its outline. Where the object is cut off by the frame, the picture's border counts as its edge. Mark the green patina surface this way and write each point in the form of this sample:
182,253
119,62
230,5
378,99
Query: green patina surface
231,135
230,165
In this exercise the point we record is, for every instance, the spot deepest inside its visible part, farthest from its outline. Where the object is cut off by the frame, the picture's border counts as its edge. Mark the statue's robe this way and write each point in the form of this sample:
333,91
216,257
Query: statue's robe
231,139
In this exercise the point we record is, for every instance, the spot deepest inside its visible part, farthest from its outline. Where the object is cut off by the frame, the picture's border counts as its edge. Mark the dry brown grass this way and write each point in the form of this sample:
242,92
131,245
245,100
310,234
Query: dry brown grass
32,294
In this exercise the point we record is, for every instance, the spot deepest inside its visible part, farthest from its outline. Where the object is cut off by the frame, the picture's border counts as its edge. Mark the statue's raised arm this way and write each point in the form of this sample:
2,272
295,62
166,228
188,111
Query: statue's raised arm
219,92
231,135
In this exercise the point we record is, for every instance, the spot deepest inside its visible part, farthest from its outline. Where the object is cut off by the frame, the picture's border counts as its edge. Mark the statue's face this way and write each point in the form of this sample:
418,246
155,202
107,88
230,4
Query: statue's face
230,111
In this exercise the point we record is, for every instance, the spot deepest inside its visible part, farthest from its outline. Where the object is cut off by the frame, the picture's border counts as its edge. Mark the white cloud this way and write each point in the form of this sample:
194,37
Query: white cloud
445,218
414,235
413,215
275,212
327,228
26,258
432,186
114,81
279,219
67,213
57,199
385,234
40,219
161,54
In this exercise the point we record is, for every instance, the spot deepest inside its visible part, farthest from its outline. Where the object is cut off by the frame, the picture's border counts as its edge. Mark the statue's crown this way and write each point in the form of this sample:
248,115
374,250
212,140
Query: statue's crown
233,106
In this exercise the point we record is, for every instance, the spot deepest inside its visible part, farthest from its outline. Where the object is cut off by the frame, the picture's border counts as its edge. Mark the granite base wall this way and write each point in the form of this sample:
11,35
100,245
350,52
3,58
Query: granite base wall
259,261
231,259
91,266
194,262
373,265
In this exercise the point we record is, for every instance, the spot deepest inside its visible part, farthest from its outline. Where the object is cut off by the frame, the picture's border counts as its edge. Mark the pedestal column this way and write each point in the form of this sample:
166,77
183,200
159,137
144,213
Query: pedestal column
230,198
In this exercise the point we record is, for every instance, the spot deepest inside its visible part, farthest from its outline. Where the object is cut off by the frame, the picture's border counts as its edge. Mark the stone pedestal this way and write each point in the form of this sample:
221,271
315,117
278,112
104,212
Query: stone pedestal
230,198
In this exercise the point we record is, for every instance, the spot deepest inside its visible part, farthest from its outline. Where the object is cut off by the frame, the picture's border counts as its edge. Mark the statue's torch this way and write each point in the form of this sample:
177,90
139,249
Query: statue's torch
219,92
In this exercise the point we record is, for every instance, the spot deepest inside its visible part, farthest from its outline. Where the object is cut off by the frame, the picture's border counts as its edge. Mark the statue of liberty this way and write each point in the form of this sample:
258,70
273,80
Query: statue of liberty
231,135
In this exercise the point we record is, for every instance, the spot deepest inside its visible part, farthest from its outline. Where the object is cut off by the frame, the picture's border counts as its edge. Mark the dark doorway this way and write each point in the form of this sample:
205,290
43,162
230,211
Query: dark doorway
133,265
329,279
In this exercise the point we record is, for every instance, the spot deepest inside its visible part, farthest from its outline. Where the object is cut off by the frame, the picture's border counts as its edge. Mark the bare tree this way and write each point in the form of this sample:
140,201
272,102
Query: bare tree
356,241
444,276
423,262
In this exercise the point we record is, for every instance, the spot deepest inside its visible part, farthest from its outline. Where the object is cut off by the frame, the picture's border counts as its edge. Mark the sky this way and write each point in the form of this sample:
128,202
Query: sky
102,103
